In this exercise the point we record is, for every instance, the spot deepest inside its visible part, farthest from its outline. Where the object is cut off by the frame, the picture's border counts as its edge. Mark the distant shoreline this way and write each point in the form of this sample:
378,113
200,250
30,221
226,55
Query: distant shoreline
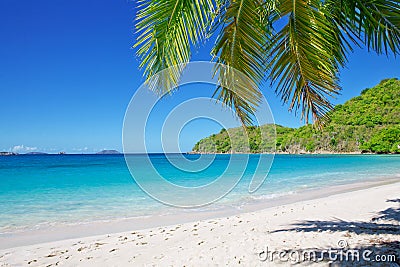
302,153
10,154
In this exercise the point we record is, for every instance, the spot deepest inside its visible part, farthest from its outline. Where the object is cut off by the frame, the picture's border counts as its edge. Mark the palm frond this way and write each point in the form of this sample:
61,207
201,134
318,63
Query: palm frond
241,47
166,31
304,58
237,91
373,23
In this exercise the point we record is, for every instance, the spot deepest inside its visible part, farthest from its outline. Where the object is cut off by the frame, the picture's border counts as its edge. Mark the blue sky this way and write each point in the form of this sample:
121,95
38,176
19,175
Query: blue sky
67,74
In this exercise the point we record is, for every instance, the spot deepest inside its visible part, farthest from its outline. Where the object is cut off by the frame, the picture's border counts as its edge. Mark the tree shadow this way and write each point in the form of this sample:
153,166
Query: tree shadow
379,254
384,222
390,214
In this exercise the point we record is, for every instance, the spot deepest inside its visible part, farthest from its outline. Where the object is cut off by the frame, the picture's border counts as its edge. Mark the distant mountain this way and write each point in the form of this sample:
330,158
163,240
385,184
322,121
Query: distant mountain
108,152
36,153
366,123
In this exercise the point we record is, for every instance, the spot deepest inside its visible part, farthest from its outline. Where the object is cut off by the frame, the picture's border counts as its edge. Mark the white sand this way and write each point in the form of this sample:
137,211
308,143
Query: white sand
366,219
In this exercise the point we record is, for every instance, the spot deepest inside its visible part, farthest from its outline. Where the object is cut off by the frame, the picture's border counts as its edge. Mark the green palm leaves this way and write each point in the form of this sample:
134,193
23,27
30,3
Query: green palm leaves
167,31
299,45
304,58
373,23
241,46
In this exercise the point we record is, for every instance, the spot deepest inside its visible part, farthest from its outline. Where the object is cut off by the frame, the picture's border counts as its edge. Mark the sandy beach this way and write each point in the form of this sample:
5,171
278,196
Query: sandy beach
360,220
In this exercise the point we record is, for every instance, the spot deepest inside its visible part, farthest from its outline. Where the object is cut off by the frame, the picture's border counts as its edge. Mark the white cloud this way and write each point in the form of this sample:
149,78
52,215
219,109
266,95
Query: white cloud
22,148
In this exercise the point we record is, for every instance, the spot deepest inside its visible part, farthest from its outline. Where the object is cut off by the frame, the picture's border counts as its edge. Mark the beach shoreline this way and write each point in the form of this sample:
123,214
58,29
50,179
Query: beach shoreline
60,232
367,199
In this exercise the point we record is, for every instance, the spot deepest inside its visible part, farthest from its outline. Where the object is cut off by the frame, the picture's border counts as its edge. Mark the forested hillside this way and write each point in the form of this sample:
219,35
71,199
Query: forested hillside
367,123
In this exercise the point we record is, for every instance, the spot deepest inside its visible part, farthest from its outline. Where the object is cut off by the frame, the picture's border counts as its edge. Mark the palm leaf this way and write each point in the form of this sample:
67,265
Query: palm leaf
166,30
305,57
374,23
241,47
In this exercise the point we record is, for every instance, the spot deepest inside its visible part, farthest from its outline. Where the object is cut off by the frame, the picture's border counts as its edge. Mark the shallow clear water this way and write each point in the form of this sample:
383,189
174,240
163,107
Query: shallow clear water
39,190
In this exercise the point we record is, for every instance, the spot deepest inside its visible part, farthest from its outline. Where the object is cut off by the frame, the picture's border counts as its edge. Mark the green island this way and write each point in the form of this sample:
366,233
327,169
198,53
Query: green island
369,123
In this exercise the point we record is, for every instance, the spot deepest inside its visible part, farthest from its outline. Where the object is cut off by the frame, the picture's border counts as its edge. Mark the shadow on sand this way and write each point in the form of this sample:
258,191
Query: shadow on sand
384,222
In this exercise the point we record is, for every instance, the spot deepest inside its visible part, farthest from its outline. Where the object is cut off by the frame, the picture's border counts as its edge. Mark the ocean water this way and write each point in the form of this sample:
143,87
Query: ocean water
43,190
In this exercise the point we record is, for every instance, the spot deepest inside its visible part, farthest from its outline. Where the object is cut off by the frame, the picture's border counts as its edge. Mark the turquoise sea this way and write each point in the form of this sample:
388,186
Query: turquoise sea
43,190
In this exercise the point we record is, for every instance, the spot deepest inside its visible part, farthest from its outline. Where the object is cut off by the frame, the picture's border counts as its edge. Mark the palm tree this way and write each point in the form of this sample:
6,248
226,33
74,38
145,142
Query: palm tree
298,45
